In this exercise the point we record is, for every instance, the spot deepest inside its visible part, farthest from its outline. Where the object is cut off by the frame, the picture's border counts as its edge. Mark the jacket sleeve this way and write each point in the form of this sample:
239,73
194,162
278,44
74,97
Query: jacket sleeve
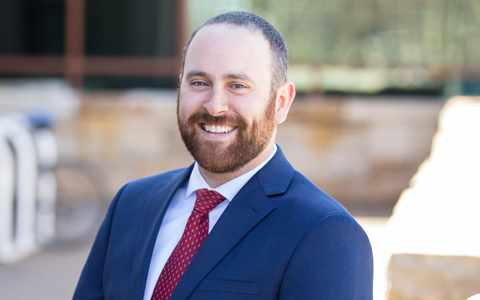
90,284
333,261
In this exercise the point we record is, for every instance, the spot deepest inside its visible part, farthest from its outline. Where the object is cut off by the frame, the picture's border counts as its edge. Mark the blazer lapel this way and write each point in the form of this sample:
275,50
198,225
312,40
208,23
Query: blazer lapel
155,209
246,210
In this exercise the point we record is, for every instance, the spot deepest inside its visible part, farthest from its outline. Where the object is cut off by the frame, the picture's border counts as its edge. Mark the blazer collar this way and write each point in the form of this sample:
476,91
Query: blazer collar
249,207
276,175
155,209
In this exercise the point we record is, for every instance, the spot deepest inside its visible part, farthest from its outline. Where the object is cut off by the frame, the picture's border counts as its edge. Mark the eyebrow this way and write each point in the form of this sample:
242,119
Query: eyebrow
238,76
196,73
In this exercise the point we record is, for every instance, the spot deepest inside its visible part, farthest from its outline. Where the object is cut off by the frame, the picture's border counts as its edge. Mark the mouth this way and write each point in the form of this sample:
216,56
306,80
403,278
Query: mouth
217,129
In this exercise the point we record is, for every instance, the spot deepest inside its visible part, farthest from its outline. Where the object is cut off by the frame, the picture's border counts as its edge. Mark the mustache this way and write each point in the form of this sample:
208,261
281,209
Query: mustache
205,117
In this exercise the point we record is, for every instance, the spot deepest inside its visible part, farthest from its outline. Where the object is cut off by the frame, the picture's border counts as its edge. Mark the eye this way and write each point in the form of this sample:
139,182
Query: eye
199,83
238,86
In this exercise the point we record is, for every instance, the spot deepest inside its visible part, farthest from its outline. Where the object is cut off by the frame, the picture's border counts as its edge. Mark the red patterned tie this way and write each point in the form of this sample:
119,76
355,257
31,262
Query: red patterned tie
195,233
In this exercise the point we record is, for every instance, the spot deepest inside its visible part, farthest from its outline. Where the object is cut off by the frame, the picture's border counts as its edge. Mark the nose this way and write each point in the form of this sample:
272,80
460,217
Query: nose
217,103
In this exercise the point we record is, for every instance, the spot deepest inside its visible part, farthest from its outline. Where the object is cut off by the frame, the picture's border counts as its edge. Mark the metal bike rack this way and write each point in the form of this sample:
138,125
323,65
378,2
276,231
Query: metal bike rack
27,188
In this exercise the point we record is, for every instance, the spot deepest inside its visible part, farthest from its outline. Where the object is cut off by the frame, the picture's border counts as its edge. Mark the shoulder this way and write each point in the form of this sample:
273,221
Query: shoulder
305,208
327,230
290,190
141,189
297,200
303,193
133,199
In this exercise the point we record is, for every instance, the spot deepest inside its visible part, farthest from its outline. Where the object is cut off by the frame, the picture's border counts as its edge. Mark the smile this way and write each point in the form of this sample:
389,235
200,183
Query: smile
217,129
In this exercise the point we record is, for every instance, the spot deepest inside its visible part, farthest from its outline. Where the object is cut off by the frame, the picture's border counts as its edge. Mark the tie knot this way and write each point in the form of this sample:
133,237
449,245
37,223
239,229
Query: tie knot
207,200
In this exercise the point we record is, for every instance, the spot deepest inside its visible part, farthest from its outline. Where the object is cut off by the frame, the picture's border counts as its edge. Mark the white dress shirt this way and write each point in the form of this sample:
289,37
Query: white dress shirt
179,211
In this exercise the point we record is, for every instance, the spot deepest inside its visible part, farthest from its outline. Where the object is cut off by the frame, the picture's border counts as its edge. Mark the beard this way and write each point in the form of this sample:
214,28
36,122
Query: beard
216,156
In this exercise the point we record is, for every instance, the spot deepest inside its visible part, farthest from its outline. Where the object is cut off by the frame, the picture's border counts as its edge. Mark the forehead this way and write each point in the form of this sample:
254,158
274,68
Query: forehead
229,48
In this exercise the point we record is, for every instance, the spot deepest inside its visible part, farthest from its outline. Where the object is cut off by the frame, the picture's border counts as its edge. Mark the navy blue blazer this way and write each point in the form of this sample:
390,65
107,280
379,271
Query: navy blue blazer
280,238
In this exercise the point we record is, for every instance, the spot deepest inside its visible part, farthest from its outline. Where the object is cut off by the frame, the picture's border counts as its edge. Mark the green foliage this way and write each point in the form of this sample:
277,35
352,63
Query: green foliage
377,32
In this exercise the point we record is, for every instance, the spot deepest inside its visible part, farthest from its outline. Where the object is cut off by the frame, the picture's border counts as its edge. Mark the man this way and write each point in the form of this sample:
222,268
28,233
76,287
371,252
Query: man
271,233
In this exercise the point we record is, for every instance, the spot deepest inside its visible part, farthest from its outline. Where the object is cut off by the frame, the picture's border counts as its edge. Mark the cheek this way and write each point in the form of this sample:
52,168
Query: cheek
252,110
250,115
187,105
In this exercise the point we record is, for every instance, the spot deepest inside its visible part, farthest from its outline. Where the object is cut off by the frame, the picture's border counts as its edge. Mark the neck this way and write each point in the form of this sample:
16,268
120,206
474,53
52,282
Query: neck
215,180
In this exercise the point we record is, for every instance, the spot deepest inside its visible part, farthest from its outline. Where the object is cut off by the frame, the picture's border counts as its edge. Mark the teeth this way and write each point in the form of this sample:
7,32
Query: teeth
217,129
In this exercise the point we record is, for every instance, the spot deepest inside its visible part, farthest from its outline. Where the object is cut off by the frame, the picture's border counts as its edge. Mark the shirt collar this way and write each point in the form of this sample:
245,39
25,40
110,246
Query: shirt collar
228,189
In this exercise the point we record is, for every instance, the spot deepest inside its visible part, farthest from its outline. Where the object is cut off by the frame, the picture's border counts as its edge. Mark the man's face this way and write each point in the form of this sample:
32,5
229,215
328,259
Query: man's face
225,104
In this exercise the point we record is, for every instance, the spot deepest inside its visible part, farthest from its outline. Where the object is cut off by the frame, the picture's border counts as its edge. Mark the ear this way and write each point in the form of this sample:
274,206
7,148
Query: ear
285,96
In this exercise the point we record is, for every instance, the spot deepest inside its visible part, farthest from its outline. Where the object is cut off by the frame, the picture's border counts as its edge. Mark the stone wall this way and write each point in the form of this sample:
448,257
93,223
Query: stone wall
433,277
362,151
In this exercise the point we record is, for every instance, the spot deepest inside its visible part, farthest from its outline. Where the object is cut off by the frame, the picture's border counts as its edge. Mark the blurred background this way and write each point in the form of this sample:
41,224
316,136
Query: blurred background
387,91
